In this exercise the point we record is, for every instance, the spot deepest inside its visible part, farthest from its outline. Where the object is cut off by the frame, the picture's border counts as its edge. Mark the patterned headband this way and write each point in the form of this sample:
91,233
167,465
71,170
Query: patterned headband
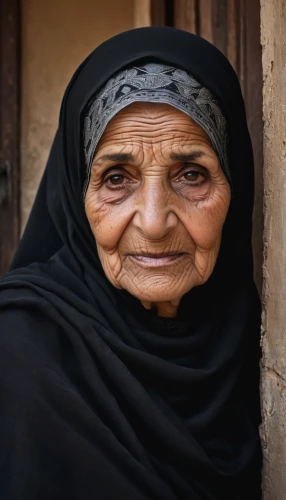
155,82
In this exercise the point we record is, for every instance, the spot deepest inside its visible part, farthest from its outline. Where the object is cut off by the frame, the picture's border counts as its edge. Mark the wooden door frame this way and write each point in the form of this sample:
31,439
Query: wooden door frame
162,12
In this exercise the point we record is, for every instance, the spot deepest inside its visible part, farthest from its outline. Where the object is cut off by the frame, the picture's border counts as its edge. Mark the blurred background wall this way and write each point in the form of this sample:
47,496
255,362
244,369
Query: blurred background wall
56,37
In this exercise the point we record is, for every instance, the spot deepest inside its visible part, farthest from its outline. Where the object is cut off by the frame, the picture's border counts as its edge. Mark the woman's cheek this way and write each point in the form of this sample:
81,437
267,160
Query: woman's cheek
97,214
107,223
111,264
206,223
106,231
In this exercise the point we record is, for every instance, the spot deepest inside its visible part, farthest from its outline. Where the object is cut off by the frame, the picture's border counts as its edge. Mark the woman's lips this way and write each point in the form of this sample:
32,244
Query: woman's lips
156,260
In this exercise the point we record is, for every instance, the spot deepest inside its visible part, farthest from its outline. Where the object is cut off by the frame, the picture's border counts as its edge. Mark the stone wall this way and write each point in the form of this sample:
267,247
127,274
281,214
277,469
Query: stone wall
273,37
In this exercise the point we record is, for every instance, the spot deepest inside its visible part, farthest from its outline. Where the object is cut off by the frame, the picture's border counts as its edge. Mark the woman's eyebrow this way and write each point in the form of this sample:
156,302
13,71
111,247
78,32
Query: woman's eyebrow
121,157
186,157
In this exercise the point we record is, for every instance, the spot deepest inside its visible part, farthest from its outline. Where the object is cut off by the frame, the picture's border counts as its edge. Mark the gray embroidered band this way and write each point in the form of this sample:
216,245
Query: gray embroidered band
155,82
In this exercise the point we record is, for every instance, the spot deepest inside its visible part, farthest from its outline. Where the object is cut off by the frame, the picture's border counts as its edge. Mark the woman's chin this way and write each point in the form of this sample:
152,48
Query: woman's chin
158,293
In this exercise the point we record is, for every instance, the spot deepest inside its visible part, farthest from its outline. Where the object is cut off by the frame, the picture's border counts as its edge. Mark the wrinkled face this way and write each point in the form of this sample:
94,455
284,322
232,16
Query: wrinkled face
156,202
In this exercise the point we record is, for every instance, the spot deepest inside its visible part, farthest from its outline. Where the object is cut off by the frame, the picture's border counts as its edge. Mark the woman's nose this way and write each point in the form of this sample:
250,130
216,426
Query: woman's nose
154,216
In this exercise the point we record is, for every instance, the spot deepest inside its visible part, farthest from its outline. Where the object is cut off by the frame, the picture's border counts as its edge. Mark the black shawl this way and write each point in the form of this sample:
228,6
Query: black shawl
101,399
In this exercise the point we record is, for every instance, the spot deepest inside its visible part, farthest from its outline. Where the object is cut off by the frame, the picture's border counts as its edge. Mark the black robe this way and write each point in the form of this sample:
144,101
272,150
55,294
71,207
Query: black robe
101,399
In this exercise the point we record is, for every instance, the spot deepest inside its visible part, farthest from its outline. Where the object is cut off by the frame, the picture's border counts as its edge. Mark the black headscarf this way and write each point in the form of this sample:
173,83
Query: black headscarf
100,398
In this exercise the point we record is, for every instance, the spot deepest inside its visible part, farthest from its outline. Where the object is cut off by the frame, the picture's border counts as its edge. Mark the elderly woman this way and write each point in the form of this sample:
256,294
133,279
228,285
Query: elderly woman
130,320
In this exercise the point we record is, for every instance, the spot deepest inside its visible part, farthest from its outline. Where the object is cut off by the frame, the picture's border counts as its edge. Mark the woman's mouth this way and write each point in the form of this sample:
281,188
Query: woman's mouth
156,260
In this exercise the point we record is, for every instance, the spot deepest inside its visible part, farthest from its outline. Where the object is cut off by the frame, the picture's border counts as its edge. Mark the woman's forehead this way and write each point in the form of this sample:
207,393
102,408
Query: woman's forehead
152,123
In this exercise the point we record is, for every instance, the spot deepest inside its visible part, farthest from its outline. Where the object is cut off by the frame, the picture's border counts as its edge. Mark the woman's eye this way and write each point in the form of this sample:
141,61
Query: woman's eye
194,176
191,176
116,179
